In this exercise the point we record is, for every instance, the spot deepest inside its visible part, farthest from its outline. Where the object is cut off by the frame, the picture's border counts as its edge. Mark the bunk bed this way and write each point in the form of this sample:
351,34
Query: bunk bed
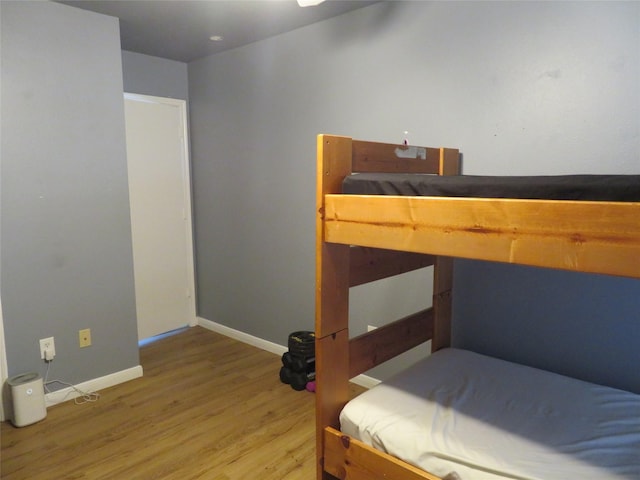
386,231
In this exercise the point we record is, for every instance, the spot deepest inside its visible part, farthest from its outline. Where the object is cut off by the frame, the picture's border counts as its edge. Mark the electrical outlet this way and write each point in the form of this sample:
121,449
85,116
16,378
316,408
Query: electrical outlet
47,344
84,336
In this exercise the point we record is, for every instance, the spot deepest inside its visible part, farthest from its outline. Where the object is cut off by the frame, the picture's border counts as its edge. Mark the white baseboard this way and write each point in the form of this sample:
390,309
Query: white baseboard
94,385
362,380
242,337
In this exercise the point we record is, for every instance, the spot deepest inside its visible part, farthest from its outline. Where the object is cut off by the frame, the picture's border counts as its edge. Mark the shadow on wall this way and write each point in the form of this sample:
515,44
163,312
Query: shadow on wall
575,324
380,16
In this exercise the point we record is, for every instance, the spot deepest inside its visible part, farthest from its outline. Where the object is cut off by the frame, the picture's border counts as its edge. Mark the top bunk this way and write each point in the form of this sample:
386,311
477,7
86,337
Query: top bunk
413,199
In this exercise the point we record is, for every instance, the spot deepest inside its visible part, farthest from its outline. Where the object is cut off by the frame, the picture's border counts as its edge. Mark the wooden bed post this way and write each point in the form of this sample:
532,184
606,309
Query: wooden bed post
443,270
442,300
332,297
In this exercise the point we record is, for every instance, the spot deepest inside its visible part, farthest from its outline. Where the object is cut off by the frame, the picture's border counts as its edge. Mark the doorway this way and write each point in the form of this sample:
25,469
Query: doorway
161,223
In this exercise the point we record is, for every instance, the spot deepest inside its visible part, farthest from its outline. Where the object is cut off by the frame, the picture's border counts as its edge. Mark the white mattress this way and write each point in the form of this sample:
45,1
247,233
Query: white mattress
483,418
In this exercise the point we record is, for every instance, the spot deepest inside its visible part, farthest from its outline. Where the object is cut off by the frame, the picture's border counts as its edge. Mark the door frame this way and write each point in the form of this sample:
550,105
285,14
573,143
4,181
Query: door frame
186,176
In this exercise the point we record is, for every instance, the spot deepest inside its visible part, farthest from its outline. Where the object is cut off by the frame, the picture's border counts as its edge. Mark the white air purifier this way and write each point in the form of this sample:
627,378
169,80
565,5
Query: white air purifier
27,396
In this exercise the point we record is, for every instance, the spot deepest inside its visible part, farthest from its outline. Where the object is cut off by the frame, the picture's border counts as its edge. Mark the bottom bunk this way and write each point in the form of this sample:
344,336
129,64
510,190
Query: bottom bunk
461,415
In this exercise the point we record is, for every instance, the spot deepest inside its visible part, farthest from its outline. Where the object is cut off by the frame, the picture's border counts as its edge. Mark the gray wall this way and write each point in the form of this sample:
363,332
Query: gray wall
158,77
520,88
559,321
66,234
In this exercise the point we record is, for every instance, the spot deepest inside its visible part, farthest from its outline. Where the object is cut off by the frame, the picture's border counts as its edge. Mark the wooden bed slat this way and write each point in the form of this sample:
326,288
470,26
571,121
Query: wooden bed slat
370,264
382,344
596,237
389,158
348,458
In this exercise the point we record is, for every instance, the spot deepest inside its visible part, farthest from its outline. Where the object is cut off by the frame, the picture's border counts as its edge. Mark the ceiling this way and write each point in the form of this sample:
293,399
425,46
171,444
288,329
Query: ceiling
181,29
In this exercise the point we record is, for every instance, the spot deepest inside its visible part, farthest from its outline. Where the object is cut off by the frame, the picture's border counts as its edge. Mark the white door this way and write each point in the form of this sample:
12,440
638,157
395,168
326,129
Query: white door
160,200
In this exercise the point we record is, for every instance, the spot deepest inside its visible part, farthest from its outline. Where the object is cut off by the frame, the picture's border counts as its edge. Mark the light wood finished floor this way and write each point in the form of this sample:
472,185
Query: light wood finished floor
208,407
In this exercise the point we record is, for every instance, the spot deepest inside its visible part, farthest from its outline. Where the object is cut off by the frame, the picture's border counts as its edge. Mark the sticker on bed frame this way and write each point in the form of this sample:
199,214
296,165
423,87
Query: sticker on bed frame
411,152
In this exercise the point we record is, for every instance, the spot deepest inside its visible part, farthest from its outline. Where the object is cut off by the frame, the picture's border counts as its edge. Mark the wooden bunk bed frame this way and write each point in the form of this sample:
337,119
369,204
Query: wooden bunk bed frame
362,238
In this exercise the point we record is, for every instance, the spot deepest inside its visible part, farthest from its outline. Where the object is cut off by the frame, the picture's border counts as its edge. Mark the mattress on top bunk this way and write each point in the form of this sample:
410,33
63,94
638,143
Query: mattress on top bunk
621,188
483,418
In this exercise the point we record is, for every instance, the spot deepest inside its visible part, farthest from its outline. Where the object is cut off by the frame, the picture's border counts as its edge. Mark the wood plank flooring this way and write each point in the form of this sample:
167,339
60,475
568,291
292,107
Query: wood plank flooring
208,407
